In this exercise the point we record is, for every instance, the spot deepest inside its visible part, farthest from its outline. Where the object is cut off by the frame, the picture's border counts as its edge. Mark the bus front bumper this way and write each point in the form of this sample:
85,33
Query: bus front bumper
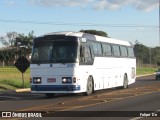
55,88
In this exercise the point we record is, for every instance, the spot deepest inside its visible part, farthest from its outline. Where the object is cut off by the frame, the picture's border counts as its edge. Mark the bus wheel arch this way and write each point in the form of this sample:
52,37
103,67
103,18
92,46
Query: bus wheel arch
89,86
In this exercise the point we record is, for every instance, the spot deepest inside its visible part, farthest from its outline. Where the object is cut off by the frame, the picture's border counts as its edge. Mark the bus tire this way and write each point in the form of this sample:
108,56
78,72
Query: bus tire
125,82
90,87
157,78
50,95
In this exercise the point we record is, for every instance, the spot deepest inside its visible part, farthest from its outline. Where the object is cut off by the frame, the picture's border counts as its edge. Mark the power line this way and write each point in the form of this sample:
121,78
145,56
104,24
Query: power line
78,24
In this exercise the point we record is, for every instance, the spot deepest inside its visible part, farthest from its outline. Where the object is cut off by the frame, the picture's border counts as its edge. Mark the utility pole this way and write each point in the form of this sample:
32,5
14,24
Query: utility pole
159,22
150,59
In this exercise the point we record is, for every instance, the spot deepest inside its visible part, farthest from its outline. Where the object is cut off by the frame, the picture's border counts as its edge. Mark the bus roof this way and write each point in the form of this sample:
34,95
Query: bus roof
91,37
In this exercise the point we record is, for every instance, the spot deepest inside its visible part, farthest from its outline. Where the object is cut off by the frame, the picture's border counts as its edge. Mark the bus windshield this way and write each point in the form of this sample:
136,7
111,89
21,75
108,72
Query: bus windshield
54,52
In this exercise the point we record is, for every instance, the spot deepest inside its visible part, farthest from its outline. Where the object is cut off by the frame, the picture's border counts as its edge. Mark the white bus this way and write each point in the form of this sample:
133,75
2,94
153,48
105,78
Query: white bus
76,62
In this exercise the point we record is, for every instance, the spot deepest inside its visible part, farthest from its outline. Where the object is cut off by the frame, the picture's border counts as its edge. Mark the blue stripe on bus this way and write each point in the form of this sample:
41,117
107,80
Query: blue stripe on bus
55,87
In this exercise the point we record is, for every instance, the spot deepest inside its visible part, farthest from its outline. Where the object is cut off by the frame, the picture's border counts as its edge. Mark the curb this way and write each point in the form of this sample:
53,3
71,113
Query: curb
145,75
23,90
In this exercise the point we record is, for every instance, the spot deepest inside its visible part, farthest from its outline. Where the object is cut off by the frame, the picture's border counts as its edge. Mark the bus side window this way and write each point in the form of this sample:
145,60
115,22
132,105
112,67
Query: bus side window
88,57
123,51
97,48
85,54
82,54
116,51
130,52
107,50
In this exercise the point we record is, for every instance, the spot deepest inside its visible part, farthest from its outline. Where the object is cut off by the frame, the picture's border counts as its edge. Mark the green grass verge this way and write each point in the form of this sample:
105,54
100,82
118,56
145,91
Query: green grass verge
143,71
12,77
6,87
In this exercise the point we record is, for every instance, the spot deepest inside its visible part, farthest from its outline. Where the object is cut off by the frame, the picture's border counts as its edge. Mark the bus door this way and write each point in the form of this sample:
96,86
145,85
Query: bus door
86,61
86,56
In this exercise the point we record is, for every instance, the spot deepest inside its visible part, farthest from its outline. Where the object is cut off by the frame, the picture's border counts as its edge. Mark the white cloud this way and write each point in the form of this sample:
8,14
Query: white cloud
10,2
69,3
105,4
144,5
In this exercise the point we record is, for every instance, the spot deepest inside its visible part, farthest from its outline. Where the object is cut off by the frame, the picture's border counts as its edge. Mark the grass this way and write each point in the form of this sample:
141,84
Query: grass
11,77
6,87
143,71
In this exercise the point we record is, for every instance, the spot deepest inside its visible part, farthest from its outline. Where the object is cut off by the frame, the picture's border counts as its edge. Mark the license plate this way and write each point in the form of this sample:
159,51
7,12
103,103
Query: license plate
51,80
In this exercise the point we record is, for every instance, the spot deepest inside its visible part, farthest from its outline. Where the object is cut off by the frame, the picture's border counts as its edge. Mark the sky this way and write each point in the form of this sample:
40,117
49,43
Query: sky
128,20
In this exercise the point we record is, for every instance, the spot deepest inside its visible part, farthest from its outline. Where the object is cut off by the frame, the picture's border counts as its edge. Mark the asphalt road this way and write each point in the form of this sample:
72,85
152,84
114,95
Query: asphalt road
141,99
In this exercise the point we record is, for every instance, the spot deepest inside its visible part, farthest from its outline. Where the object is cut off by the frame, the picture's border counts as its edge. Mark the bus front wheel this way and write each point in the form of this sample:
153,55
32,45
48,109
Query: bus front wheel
90,87
125,83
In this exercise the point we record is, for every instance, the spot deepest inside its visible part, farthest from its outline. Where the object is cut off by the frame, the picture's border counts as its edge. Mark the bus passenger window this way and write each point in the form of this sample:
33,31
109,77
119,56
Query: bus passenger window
130,52
97,48
116,51
107,50
123,51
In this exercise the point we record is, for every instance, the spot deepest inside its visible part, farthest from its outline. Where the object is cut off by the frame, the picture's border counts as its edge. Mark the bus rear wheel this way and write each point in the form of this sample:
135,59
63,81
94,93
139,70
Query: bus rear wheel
50,95
125,82
90,87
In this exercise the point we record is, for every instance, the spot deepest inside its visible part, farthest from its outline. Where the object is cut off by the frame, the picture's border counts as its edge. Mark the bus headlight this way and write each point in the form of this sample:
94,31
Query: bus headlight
66,79
36,80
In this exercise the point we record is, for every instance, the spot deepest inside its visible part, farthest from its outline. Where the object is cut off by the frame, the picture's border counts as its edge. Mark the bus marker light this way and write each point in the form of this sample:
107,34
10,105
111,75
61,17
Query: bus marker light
74,79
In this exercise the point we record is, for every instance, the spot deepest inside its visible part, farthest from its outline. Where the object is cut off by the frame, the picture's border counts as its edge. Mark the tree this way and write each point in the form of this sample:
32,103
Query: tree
25,43
95,32
16,44
9,39
156,55
141,53
7,56
2,57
